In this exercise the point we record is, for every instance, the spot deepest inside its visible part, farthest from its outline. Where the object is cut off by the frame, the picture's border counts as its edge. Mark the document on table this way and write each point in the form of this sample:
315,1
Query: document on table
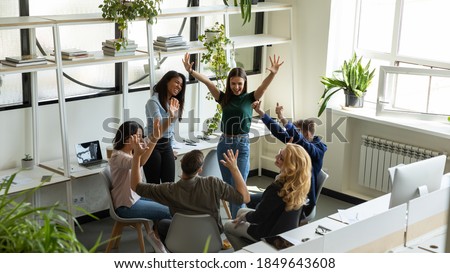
347,216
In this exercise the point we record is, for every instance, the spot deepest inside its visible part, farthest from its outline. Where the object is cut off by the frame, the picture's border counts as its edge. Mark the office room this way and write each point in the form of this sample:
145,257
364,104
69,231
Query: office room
312,39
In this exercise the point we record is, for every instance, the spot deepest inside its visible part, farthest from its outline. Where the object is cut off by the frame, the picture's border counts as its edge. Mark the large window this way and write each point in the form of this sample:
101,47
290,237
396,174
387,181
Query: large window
407,34
87,81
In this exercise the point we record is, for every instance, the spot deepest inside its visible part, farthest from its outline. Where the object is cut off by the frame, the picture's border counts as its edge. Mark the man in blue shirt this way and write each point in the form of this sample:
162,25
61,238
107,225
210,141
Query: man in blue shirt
300,132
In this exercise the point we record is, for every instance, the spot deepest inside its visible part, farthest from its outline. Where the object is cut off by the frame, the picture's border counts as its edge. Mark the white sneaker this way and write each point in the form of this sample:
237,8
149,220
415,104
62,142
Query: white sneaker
156,243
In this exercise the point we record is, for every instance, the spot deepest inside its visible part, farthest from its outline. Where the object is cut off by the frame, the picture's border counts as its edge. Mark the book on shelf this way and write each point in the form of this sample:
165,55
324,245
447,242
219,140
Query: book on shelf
73,52
113,41
112,47
169,37
168,44
171,48
25,59
117,54
8,63
88,56
112,51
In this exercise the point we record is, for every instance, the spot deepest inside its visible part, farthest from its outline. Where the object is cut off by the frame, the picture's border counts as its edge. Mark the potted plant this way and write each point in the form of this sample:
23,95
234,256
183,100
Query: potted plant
216,58
246,8
124,11
27,162
353,78
28,229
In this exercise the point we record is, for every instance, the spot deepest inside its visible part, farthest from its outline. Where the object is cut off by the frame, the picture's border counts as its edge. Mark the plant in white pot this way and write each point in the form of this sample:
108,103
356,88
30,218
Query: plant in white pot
27,162
353,78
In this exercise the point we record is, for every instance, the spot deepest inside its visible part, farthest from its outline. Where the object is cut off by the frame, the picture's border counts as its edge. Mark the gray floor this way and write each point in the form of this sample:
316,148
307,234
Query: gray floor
128,244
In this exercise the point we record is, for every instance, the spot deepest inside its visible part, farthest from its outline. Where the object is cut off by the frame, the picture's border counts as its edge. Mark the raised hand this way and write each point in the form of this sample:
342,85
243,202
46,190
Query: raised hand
275,64
256,105
187,65
279,110
230,159
174,105
156,134
138,147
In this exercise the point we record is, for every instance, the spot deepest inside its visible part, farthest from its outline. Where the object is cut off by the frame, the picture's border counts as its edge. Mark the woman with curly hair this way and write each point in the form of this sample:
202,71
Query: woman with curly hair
288,192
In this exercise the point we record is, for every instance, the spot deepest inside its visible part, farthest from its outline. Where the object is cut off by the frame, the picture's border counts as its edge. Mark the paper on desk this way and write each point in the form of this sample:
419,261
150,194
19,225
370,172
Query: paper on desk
176,145
348,216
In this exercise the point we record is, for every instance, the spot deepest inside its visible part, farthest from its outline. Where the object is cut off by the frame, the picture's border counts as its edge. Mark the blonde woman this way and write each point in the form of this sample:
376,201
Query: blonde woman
288,192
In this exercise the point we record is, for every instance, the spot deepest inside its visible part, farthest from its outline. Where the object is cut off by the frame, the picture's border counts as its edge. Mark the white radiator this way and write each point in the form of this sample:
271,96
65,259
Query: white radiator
377,155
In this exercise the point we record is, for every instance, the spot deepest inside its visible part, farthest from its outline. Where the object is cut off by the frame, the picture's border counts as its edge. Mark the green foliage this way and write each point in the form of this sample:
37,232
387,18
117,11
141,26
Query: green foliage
216,58
124,11
353,78
28,157
246,9
28,229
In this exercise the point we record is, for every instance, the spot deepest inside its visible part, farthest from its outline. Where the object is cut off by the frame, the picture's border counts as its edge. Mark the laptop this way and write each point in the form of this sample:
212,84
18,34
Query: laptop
89,155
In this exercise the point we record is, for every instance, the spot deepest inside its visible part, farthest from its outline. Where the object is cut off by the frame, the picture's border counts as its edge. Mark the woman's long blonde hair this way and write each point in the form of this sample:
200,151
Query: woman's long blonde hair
295,176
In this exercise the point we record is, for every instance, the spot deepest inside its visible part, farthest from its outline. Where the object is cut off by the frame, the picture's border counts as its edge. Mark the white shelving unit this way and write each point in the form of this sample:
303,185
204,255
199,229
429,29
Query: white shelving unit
57,21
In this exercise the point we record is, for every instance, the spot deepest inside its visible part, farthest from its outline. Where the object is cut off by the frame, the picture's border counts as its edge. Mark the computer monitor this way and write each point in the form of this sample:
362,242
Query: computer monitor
415,179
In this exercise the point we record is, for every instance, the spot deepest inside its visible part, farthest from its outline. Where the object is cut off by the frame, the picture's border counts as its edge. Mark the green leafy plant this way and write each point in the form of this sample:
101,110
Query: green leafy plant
124,11
246,9
353,78
216,58
28,229
28,157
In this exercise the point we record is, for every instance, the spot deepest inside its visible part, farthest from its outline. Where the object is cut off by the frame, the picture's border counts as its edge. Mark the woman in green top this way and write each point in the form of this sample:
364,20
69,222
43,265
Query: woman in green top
237,111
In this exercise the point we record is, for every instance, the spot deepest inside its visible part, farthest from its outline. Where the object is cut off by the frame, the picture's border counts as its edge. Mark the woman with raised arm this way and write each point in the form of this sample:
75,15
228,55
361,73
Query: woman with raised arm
287,193
237,111
160,167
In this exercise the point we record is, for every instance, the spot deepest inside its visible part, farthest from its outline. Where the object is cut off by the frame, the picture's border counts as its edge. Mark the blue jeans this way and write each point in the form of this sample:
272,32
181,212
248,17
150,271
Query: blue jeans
241,143
145,208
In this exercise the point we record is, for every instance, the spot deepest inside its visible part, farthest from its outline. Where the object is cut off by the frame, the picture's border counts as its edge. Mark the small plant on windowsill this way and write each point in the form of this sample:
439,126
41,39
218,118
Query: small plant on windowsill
123,12
27,162
216,59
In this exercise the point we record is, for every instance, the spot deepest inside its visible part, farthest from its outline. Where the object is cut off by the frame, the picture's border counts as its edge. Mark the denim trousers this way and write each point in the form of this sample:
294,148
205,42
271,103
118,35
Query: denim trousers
145,208
241,143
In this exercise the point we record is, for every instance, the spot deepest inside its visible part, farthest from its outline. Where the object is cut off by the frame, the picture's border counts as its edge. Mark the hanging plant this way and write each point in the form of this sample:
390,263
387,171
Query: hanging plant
122,12
216,59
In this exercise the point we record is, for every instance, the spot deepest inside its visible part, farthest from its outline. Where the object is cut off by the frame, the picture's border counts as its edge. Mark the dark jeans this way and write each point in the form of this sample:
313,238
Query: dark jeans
163,228
160,166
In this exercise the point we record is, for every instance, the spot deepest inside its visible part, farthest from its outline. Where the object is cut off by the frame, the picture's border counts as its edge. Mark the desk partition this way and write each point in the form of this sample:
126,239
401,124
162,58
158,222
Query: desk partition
427,213
378,233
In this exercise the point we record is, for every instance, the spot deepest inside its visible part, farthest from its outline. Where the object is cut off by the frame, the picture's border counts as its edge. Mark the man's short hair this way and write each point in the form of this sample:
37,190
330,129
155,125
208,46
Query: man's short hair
191,162
306,125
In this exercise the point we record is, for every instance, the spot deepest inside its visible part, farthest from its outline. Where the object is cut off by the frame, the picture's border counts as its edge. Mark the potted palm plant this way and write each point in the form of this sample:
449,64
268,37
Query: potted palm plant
353,78
216,59
28,229
124,11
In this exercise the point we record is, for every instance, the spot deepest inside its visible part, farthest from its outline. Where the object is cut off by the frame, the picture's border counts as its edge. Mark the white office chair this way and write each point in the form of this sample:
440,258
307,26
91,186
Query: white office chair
211,168
120,222
321,178
190,234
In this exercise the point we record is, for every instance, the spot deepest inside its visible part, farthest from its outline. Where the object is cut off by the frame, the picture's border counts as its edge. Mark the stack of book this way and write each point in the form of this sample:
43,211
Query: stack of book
109,48
170,42
26,60
75,54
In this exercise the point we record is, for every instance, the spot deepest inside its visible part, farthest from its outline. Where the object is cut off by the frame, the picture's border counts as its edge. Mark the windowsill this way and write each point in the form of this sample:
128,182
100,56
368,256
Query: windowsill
435,128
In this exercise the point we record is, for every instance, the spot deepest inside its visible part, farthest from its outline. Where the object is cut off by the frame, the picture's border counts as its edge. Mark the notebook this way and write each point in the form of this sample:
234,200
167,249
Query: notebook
89,155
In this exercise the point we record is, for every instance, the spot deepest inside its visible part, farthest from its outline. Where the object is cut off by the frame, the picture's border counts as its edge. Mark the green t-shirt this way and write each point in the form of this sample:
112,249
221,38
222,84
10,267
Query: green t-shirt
237,114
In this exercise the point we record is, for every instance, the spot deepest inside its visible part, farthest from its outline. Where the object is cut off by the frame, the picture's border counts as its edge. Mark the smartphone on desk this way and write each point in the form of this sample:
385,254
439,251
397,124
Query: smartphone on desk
277,242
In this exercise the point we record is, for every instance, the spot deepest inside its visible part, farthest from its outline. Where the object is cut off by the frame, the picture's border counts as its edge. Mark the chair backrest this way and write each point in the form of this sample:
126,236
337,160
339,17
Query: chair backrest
189,234
321,178
106,174
211,165
288,220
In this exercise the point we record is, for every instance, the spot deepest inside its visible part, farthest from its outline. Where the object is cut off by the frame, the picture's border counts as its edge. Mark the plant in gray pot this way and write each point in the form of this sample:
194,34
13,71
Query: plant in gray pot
27,162
353,78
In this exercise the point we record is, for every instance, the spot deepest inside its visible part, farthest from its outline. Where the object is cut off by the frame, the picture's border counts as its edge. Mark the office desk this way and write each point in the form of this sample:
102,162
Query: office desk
304,238
364,210
76,171
30,179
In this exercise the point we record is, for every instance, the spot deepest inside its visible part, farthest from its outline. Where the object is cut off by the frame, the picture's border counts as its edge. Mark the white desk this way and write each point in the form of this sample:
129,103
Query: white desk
305,238
364,210
76,171
30,179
